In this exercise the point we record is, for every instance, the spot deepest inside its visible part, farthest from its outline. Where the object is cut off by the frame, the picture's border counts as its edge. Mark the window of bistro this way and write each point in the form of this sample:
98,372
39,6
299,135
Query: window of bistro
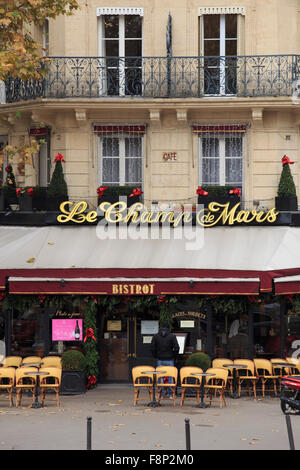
263,326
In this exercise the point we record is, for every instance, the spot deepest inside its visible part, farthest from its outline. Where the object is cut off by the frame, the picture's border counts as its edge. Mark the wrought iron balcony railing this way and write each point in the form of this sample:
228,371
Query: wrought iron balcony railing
161,77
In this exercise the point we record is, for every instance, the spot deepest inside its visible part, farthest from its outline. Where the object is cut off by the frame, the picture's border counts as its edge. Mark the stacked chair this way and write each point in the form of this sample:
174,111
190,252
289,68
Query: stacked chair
188,381
15,375
216,385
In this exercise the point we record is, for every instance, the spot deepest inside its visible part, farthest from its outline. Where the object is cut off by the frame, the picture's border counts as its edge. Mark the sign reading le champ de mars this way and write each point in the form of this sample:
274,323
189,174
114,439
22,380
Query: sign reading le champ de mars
119,212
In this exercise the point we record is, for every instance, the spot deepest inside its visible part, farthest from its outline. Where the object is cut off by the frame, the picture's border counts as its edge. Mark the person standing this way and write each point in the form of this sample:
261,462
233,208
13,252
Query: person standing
165,348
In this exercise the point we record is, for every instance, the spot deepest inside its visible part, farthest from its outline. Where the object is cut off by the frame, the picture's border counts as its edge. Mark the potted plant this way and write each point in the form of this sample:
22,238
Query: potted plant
57,190
199,359
286,199
73,372
25,198
220,194
113,194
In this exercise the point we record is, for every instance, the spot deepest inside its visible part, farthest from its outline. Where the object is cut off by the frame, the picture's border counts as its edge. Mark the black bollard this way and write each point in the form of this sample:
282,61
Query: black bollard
89,433
290,432
187,434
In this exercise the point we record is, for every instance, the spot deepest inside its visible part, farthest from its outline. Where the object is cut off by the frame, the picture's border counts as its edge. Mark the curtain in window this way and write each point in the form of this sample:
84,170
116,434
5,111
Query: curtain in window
120,150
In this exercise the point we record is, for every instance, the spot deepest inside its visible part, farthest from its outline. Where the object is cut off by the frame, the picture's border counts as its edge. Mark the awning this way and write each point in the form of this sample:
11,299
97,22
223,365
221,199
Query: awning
73,259
287,285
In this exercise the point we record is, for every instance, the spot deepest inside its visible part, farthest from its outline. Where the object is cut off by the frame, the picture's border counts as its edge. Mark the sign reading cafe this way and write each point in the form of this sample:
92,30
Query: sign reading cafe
119,212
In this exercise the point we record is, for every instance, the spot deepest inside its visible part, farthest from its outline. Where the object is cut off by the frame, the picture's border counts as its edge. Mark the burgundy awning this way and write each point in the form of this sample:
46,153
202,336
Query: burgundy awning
132,129
287,285
234,128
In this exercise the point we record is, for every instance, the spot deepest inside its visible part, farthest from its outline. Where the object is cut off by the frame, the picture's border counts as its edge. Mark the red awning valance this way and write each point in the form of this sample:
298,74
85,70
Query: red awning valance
287,285
38,131
114,129
234,128
134,286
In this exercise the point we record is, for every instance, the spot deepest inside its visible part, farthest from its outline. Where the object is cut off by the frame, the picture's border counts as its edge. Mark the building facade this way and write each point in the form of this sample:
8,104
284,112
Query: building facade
166,98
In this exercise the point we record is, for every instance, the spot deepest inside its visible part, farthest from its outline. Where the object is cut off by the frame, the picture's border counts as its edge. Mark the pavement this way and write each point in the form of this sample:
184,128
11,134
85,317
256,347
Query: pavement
245,424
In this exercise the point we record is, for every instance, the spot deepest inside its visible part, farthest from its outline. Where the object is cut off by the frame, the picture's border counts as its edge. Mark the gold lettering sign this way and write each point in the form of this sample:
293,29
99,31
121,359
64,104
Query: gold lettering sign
169,156
137,214
132,289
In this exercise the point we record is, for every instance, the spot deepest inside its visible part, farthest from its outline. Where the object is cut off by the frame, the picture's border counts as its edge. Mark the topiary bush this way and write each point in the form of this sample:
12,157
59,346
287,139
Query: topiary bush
73,360
286,186
199,359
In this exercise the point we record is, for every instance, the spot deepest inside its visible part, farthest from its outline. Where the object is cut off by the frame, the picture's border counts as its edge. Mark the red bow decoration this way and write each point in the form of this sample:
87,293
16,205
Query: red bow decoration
42,298
8,169
30,191
127,299
89,333
91,380
18,191
201,191
286,160
136,192
101,190
161,299
236,191
95,299
59,158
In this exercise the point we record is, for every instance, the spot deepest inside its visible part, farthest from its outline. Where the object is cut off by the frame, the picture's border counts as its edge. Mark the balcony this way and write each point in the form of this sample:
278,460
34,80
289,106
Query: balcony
161,77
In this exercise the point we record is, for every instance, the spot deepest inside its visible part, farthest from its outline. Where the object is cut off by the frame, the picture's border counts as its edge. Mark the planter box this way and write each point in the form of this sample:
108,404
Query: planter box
2,201
72,382
111,198
53,202
287,204
25,203
206,200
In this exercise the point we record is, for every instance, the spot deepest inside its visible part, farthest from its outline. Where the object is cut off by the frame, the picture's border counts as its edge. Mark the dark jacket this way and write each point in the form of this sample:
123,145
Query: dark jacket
164,345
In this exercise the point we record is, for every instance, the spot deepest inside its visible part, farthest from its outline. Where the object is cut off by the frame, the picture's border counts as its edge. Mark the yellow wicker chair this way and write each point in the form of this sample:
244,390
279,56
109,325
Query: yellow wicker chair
189,381
12,361
51,361
169,372
264,373
49,382
142,381
7,381
219,363
216,384
25,382
294,368
31,360
246,375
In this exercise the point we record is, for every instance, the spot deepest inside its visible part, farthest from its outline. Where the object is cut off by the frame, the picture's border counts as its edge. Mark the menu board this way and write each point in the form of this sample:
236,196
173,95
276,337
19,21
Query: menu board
64,330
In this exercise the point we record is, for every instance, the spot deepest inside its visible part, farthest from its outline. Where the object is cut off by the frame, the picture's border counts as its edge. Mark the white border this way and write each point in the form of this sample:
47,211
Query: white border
120,11
221,11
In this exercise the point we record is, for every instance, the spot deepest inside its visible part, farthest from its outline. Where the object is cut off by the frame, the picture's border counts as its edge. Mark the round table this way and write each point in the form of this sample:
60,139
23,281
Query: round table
154,403
203,374
234,376
37,404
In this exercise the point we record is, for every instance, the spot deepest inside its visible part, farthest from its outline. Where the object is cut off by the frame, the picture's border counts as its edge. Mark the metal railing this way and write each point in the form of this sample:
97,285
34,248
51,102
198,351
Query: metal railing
161,77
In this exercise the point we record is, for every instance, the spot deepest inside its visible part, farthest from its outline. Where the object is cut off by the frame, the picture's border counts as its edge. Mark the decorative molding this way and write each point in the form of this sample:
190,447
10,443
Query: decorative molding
181,115
221,11
155,117
80,114
120,11
257,114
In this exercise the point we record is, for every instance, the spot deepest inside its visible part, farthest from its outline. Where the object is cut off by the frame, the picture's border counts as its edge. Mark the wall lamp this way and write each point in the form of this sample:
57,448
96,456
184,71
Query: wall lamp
62,283
192,283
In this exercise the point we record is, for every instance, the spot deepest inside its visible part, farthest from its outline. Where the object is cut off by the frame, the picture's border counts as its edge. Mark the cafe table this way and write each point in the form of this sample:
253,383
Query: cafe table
153,403
204,375
234,368
38,374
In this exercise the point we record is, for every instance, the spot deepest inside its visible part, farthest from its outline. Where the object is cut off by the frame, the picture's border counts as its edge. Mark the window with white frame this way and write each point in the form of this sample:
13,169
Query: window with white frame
221,157
120,46
120,159
220,44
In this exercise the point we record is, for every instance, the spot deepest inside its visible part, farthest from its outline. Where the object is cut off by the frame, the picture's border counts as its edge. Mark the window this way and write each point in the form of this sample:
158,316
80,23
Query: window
220,49
120,160
221,159
121,45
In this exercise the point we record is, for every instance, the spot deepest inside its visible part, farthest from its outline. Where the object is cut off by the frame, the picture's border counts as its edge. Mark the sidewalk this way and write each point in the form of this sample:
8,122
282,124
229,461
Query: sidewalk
245,424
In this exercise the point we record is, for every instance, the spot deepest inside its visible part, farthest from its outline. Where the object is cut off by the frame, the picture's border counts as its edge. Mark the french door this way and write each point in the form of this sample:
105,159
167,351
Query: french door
220,50
120,49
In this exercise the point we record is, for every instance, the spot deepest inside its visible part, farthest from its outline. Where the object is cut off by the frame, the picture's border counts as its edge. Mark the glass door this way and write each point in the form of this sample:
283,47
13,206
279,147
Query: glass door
117,348
220,51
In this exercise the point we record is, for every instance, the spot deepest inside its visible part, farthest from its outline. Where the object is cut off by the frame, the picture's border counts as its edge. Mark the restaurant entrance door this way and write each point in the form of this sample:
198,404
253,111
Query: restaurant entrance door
117,348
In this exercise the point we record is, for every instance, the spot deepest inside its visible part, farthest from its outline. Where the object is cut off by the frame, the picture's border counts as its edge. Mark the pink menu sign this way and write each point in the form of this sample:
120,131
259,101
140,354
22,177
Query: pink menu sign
64,330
